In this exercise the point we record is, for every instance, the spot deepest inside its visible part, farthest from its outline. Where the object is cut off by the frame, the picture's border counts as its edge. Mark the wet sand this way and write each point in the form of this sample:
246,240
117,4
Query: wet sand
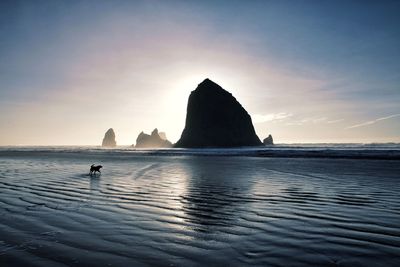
198,211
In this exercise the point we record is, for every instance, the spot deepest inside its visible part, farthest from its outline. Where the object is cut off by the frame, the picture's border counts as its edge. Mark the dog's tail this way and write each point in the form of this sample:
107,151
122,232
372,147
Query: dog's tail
92,165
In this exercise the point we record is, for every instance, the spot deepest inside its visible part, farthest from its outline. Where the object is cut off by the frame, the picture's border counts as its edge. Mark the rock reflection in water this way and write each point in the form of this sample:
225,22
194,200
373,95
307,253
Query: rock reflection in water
211,197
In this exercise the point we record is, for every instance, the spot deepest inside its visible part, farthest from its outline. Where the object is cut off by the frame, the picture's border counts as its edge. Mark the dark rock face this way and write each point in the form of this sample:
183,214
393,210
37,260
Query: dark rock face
152,141
268,141
215,118
109,139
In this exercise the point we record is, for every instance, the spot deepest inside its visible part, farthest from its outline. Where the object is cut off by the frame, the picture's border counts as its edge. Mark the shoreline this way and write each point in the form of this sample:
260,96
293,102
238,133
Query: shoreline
265,152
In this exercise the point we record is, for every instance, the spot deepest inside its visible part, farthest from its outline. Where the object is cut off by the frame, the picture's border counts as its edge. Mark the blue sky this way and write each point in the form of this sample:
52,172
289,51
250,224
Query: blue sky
306,71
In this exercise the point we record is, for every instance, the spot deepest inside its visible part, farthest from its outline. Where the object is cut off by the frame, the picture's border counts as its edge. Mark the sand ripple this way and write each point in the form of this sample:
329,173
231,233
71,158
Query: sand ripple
198,211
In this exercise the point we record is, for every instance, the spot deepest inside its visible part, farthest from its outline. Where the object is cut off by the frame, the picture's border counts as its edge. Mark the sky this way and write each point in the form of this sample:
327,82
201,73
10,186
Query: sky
306,71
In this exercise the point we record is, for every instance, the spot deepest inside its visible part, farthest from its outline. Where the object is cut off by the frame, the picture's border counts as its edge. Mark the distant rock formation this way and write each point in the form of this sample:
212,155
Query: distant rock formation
268,141
162,135
152,141
109,139
215,118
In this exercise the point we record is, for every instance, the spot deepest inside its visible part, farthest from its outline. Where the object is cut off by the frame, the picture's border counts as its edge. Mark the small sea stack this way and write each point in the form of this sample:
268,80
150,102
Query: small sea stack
162,135
109,139
215,118
268,141
155,140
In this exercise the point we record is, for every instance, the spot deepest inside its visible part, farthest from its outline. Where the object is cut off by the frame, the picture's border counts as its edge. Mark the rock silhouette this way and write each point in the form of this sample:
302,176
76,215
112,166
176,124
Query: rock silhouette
162,135
152,141
109,139
215,118
268,141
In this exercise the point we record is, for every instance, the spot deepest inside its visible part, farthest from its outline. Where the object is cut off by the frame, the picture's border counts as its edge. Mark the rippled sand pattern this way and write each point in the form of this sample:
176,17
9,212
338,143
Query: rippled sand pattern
198,211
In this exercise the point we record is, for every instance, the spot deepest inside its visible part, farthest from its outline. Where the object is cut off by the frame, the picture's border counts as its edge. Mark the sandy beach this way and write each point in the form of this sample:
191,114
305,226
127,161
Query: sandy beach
191,210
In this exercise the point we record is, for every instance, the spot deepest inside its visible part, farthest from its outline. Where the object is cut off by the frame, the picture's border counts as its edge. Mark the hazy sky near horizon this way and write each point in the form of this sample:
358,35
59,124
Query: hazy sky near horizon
306,71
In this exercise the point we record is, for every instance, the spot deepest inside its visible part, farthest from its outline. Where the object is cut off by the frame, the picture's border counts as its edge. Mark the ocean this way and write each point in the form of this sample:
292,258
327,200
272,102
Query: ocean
286,205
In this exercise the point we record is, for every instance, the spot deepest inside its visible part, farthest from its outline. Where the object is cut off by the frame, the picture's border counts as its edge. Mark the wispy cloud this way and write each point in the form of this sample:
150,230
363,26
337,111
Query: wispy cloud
335,121
313,120
257,118
372,121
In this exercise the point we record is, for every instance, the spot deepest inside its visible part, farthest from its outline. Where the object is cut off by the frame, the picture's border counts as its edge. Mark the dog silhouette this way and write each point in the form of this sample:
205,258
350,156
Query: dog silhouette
94,169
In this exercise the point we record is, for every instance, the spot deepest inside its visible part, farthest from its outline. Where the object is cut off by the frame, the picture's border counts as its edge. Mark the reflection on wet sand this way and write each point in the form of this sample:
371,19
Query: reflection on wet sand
211,196
94,184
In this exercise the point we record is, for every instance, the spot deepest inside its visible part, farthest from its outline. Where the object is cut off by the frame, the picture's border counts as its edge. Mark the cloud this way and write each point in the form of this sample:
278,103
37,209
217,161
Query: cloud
317,120
312,120
372,122
257,118
335,121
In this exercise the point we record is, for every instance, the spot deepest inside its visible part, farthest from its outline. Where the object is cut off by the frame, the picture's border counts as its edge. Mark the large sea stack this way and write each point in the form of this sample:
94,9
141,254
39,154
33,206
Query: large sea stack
109,139
215,118
152,141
